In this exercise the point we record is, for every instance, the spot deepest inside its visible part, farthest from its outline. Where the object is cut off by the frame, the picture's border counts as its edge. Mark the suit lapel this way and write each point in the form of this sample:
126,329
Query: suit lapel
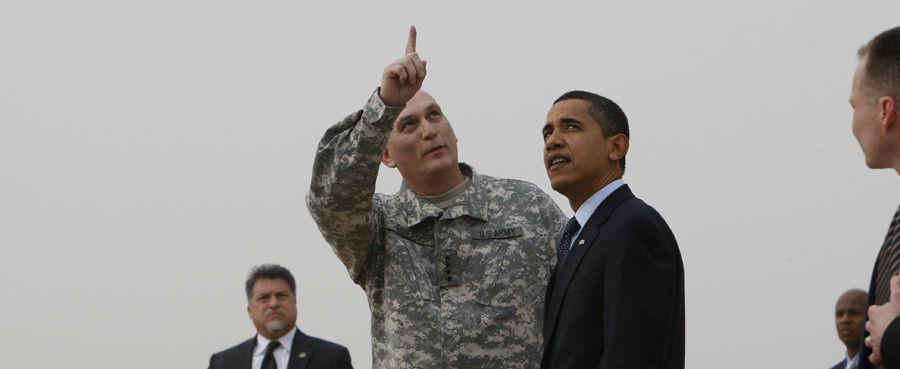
245,353
300,351
561,278
548,295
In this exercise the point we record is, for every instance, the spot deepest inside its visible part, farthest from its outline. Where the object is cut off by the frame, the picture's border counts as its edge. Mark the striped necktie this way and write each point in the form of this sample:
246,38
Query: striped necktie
565,242
888,261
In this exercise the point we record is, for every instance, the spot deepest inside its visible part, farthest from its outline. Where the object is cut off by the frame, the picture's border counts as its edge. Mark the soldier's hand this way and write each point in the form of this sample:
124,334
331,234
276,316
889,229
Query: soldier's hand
403,78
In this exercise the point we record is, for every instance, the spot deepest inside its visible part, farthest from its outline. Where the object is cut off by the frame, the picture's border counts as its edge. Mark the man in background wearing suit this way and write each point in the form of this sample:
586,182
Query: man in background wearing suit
616,296
272,306
876,125
849,318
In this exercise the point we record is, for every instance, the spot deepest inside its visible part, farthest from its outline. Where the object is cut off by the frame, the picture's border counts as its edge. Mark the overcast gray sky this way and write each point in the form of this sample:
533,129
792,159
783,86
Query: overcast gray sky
151,152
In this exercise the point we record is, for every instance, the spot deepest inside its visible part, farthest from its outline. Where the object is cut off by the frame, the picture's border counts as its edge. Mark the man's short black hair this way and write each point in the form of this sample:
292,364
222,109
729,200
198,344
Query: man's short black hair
269,271
606,112
882,71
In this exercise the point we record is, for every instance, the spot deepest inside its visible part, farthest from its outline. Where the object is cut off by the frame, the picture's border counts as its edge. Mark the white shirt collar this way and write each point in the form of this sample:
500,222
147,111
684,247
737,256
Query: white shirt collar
286,341
583,214
850,360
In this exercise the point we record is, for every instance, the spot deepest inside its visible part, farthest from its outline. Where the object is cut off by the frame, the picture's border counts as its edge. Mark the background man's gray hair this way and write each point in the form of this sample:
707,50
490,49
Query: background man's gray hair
269,271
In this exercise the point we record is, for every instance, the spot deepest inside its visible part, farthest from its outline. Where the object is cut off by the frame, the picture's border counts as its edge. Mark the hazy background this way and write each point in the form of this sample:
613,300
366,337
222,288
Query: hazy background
151,152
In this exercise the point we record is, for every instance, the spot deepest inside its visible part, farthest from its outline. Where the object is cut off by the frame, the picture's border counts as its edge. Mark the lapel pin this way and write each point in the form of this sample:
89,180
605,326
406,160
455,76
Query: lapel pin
581,242
302,355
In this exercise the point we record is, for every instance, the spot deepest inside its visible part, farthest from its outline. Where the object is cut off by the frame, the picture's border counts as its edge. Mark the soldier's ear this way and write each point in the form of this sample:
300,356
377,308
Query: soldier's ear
889,113
386,159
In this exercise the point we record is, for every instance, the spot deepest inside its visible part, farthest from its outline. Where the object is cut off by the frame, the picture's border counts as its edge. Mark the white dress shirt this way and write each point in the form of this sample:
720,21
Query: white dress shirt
584,212
851,362
282,353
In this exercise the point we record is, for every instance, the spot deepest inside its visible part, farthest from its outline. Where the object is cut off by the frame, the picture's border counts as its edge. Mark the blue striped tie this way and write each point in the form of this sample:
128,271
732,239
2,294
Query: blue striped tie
565,241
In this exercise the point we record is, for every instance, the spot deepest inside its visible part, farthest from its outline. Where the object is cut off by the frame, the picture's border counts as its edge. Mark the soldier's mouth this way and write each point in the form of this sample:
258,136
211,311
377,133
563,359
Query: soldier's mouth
435,149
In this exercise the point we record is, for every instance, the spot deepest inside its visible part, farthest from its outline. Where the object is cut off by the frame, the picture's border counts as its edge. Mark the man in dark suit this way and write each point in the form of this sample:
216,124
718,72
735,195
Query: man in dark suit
272,306
616,296
849,318
876,125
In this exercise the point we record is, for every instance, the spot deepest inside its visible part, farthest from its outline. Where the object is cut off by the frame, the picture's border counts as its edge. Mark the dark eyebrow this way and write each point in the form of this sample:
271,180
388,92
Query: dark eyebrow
547,126
570,120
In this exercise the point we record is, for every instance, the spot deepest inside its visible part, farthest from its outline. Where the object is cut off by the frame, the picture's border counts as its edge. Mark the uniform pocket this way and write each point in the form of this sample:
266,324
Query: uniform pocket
406,275
504,279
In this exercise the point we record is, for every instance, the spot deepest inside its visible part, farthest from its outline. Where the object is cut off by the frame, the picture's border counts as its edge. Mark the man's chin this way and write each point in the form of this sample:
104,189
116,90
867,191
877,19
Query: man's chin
441,164
559,185
276,326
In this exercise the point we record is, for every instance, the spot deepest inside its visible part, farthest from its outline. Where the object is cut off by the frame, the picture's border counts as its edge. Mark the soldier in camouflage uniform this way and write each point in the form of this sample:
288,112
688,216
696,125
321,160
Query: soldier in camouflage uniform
454,264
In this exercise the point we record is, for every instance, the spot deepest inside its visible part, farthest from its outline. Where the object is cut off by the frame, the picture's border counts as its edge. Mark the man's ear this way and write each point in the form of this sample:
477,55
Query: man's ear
248,311
386,159
619,147
889,113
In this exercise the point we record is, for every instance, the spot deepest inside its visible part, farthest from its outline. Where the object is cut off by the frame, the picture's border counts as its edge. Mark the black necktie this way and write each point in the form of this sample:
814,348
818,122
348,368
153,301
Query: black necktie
565,241
888,261
269,359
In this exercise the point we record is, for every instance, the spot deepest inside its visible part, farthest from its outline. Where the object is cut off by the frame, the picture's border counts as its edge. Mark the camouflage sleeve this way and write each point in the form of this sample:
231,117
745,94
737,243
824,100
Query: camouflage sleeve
343,183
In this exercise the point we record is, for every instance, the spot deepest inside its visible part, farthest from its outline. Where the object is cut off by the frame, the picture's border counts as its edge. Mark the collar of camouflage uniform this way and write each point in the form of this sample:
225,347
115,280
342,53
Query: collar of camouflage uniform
466,204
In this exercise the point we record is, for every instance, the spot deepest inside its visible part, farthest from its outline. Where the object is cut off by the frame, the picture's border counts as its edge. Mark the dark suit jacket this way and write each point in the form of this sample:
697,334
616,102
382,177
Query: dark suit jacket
842,363
618,300
890,345
316,354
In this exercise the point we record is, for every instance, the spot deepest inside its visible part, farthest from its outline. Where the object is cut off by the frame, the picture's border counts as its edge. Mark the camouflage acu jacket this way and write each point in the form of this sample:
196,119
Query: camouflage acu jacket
461,287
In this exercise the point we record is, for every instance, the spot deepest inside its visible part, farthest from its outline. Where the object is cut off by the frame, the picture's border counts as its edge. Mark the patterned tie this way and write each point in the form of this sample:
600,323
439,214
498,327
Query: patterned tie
888,261
269,360
565,241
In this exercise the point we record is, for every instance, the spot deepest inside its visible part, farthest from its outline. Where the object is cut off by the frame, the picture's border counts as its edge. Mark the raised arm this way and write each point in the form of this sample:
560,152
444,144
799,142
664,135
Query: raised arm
347,161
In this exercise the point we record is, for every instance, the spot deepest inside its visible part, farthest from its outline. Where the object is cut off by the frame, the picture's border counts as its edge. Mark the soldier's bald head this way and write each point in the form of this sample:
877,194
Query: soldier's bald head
422,146
421,99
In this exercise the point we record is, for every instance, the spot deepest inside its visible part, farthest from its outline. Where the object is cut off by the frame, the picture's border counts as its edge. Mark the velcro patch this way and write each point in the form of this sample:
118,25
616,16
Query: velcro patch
488,234
417,237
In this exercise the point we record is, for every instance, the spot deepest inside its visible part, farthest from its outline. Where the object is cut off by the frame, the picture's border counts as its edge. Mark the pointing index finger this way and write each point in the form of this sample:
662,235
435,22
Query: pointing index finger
411,41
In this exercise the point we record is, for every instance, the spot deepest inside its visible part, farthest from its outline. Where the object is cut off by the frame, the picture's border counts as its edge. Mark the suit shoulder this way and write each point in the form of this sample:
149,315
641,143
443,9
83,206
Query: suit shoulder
635,214
331,352
232,353
322,344
636,209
